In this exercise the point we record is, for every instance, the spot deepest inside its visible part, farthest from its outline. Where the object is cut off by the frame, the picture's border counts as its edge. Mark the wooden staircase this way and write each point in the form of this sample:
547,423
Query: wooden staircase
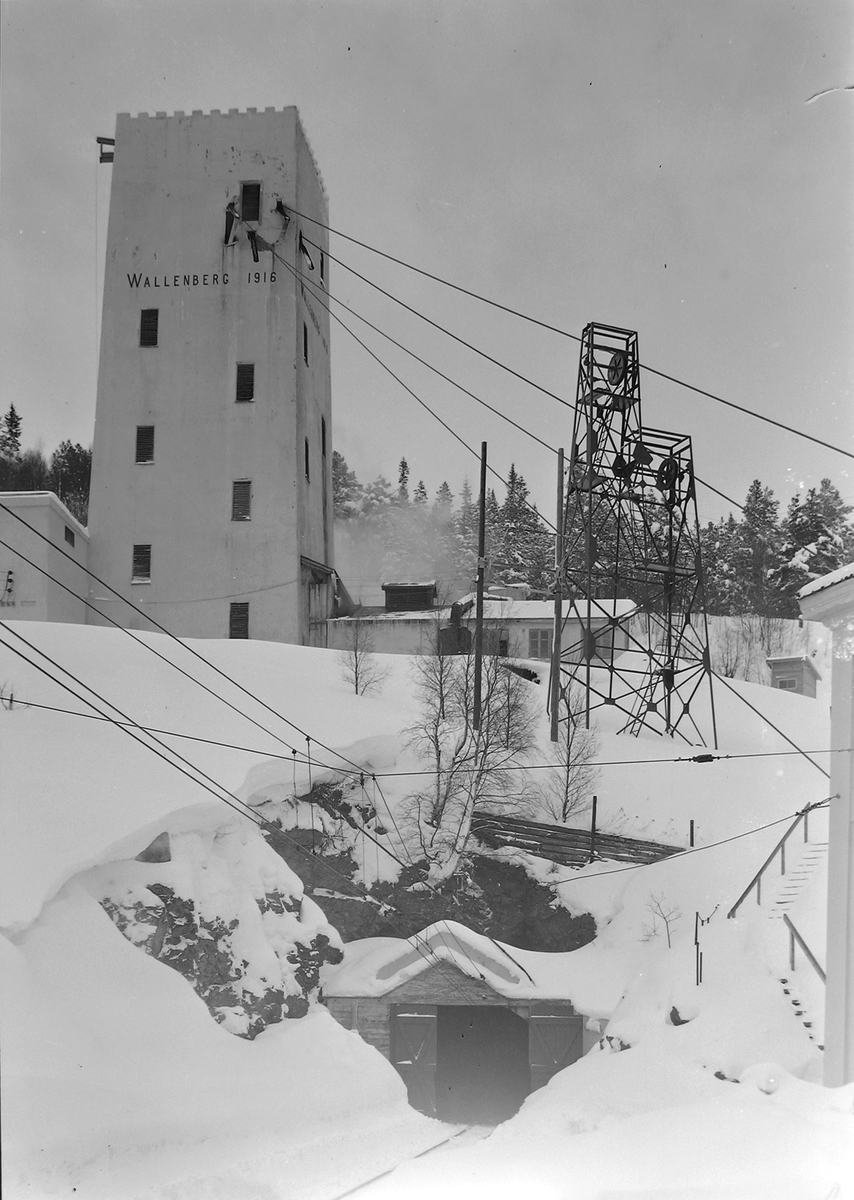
810,857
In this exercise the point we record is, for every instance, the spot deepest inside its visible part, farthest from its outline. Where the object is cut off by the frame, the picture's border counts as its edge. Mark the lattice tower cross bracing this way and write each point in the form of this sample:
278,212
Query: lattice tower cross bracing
631,533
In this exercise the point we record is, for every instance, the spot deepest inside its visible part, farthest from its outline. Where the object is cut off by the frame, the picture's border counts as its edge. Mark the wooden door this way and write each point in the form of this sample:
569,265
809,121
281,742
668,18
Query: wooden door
554,1041
413,1053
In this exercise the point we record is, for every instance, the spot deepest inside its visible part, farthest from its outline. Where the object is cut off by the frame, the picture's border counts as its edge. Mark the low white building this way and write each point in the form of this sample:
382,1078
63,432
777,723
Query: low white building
43,575
519,628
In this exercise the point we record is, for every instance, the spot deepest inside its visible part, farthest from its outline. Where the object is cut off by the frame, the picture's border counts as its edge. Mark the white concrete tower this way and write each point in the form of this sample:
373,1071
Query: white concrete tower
211,495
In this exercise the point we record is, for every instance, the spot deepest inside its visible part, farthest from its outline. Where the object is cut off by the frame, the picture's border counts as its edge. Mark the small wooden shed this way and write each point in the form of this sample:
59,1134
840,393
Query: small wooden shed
794,673
468,1027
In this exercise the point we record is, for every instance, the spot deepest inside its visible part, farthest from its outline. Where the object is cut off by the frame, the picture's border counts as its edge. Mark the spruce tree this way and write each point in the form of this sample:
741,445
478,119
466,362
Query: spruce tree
817,538
759,550
527,550
403,482
10,435
70,469
444,500
10,449
346,489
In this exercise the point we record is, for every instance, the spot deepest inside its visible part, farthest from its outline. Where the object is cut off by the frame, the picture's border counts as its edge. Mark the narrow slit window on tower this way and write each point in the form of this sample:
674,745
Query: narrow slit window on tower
323,436
241,500
250,201
238,619
307,468
245,383
148,321
141,564
145,443
305,343
322,268
69,536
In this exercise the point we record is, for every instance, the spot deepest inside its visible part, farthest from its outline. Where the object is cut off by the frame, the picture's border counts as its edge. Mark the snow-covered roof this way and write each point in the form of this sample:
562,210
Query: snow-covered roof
587,977
506,611
35,499
794,658
375,612
826,581
543,610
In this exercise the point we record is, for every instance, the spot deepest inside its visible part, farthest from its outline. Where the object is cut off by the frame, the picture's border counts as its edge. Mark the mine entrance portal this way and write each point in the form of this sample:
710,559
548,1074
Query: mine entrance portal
482,1069
476,1064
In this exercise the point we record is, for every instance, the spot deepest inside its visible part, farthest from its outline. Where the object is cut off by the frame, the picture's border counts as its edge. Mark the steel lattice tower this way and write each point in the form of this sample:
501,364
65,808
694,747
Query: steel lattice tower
631,533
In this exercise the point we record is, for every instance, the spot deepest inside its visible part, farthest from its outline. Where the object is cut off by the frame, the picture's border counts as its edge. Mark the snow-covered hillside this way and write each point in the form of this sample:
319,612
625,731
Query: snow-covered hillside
118,1082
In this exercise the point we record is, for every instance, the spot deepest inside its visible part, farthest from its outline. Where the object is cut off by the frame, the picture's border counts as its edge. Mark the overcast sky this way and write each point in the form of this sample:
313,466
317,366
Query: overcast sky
653,165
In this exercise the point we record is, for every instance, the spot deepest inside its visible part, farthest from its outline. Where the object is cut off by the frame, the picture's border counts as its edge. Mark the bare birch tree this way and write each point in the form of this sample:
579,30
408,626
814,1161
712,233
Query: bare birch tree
467,762
569,787
359,664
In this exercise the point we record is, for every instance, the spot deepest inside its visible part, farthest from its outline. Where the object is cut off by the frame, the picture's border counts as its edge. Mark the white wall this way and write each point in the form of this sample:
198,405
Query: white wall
33,595
172,179
413,635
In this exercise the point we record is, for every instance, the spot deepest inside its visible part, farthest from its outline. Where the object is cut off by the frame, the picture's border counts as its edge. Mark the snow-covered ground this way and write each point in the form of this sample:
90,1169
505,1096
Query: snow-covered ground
118,1083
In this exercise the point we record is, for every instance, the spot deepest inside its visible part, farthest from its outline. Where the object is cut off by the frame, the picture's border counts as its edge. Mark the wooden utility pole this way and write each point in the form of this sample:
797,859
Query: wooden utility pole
481,569
554,689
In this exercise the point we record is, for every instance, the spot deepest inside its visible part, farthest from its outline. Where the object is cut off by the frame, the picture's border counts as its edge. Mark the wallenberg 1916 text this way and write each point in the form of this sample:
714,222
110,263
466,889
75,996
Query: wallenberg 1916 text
209,280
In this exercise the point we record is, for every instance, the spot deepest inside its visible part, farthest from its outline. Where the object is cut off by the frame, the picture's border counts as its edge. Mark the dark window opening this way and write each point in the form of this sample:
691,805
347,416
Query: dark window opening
148,326
322,267
238,619
141,564
69,536
241,500
250,201
145,443
305,343
323,436
539,643
245,383
307,468
787,683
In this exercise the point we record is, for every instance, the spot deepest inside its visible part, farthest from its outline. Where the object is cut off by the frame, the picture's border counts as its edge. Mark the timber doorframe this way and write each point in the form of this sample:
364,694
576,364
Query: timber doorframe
413,1045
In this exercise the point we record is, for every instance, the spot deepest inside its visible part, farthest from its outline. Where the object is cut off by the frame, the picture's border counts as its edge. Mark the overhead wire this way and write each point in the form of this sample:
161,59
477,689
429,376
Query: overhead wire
320,297
448,333
479,400
207,782
223,794
768,721
321,300
698,849
162,629
564,333
703,758
320,292
193,679
424,363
